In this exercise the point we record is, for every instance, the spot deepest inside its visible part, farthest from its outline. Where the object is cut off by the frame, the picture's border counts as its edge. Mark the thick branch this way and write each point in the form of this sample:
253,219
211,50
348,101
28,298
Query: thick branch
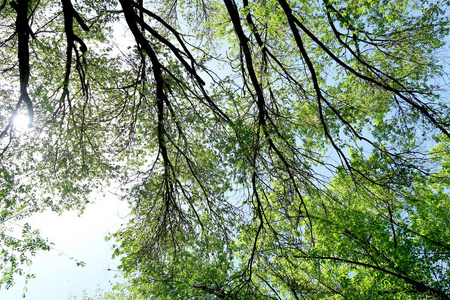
23,33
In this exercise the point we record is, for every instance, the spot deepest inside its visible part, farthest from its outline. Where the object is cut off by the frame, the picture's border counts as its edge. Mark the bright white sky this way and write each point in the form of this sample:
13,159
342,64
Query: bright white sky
58,277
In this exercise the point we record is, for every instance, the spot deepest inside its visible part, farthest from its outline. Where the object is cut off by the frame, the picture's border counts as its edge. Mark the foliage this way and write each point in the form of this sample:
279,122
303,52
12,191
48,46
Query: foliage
315,164
17,248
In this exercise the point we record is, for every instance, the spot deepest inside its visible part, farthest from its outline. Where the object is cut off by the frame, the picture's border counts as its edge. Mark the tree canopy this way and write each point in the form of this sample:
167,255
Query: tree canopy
269,149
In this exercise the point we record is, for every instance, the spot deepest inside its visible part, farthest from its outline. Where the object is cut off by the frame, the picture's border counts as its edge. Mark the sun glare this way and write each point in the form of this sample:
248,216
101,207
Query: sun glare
21,122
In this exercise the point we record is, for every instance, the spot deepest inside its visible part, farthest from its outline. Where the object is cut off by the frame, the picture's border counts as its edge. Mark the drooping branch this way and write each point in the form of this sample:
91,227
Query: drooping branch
23,54
23,34
403,93
69,15
179,54
167,184
132,21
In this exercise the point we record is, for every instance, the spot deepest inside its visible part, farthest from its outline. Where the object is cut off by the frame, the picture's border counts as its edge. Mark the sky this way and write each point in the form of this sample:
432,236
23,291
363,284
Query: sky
57,276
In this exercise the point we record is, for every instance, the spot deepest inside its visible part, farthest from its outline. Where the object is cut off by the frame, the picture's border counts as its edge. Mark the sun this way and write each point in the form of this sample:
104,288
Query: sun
21,122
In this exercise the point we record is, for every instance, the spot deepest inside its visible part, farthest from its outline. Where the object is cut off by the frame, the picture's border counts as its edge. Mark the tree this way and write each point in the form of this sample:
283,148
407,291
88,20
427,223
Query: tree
314,165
